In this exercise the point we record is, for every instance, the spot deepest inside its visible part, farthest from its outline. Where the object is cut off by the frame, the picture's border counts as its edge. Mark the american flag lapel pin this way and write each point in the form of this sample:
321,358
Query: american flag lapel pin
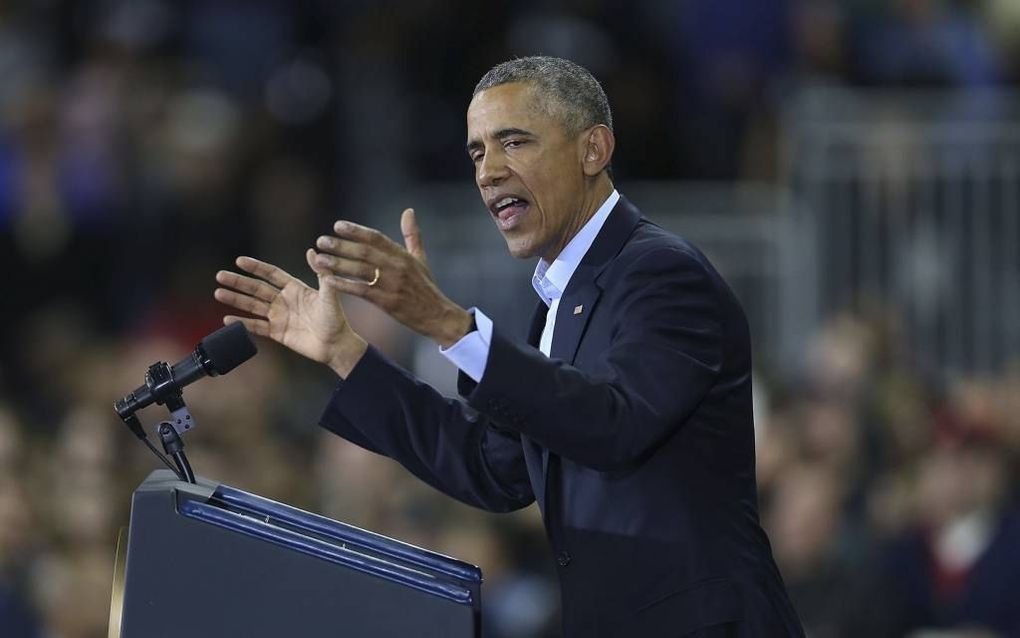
578,309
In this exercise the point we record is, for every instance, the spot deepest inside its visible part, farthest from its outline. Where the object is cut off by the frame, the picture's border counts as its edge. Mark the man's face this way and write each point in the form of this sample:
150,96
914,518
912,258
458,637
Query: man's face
528,169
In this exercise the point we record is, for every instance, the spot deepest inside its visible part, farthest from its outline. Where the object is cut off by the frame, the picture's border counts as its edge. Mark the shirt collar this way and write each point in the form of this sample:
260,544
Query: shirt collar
550,280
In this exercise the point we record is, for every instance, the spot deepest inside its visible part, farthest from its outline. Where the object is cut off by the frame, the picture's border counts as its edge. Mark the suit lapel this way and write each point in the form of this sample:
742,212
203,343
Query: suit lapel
575,308
582,293
583,290
534,337
537,324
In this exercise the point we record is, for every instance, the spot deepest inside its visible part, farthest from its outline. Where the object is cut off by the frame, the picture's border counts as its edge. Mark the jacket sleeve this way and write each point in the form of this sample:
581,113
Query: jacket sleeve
665,355
386,410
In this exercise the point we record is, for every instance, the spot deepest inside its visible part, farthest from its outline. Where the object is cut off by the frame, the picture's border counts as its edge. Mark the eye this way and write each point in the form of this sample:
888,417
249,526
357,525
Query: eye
513,143
476,157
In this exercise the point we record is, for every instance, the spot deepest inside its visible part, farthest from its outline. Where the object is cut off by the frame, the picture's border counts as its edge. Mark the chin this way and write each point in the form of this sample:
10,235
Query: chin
520,249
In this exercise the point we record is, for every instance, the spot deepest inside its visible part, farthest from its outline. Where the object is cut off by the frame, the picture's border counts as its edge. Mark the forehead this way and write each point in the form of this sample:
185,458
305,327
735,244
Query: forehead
505,106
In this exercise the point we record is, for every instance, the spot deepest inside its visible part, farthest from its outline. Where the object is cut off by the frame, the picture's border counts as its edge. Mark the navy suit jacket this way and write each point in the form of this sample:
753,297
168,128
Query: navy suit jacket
635,436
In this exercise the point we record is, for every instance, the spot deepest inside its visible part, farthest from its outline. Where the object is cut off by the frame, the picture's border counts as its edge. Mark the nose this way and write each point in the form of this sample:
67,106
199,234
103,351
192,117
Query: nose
492,169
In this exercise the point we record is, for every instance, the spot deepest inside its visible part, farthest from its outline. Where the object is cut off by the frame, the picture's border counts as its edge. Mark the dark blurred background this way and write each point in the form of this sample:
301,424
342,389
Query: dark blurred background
852,167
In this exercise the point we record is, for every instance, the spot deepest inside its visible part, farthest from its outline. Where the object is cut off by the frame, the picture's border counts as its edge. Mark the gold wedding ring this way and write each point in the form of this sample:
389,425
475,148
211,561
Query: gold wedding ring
374,279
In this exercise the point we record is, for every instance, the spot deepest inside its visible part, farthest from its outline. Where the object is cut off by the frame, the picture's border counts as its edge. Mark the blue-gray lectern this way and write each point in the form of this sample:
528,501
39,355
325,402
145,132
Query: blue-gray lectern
205,560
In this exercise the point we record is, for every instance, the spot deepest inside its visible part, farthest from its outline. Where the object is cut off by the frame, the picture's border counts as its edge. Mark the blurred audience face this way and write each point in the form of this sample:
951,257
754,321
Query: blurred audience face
941,491
341,464
804,519
519,149
74,591
830,435
10,440
16,530
82,478
959,480
837,359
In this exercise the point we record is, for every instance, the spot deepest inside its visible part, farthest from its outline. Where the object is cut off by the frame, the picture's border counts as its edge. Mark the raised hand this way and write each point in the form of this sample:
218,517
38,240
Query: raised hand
308,321
394,278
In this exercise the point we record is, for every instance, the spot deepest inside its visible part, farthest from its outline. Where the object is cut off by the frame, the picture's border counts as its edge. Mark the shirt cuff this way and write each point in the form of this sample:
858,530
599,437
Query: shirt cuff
471,353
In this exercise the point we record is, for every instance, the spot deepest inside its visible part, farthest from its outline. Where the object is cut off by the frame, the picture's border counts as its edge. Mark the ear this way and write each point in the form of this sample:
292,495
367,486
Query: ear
599,143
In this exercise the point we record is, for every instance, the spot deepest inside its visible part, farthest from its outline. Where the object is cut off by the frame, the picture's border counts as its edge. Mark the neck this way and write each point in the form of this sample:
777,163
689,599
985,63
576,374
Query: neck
599,192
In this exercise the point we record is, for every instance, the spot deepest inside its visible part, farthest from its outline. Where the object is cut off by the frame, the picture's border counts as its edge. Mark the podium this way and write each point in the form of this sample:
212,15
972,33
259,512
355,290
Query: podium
206,560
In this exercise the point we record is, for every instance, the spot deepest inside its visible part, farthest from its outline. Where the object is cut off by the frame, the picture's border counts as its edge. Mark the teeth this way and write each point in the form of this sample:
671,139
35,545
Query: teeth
506,201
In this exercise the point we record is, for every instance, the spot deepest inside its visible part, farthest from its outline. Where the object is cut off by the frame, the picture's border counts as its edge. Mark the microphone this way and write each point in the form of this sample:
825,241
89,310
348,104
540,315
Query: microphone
218,353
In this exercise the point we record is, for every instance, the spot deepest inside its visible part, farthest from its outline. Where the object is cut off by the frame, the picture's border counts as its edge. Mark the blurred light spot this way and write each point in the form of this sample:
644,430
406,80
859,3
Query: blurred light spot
203,121
297,93
139,24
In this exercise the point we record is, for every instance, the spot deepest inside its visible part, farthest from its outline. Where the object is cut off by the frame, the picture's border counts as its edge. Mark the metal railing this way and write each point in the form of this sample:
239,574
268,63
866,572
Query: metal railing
910,200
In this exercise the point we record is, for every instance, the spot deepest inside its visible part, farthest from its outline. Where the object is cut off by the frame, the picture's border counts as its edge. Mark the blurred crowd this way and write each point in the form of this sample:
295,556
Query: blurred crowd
145,143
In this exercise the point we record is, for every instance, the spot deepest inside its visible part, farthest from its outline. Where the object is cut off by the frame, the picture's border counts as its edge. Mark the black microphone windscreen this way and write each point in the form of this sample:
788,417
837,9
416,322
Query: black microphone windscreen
228,347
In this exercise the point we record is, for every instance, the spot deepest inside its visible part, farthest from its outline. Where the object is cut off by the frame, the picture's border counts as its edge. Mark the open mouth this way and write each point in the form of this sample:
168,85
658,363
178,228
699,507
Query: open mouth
509,210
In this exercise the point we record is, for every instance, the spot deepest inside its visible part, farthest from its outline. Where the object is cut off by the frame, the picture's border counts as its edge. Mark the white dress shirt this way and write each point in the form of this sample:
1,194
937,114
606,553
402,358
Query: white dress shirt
471,353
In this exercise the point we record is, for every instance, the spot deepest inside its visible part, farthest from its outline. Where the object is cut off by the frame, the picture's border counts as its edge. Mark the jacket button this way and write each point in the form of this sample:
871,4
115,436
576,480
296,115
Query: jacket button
563,558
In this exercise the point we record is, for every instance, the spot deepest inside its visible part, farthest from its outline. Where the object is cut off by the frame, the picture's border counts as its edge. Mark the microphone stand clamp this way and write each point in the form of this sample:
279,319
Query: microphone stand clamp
173,446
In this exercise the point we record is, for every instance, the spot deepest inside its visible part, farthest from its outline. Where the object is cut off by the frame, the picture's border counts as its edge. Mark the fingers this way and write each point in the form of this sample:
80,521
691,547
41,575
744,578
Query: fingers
242,302
412,236
248,285
246,293
349,249
258,327
345,267
274,275
362,234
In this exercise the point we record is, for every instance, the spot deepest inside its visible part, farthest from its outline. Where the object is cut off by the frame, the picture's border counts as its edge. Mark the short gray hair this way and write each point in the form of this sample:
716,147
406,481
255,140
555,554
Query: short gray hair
568,89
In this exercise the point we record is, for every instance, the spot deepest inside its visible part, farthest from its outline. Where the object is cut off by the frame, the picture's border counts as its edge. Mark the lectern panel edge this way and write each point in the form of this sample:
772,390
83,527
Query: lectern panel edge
321,549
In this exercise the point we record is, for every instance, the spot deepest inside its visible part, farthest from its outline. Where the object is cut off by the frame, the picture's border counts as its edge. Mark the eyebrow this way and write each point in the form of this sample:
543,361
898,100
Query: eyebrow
502,133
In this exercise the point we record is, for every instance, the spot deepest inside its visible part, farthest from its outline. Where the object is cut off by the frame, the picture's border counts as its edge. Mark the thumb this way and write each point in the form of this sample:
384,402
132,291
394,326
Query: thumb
325,276
412,236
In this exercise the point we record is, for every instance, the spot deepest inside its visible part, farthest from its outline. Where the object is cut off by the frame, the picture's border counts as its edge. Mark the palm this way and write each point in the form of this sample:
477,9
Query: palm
306,320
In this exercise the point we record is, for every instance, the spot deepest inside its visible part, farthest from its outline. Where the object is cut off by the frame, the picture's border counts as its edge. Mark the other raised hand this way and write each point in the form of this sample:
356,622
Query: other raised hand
283,308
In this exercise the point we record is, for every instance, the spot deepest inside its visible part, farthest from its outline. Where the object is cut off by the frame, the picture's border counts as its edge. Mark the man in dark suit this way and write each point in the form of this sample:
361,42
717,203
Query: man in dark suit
627,415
